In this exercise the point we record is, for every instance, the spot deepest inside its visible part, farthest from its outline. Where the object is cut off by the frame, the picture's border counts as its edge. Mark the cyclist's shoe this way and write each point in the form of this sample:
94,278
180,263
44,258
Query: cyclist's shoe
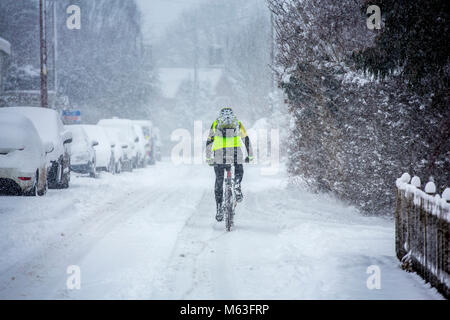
219,214
238,192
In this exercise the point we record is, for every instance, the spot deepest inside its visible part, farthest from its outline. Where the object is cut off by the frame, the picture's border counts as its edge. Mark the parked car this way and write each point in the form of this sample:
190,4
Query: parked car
82,152
23,163
150,150
158,143
126,127
104,148
121,149
141,144
51,130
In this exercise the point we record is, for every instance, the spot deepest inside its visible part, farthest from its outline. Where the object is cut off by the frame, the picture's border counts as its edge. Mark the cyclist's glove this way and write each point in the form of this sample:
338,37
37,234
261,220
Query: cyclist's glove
248,159
210,161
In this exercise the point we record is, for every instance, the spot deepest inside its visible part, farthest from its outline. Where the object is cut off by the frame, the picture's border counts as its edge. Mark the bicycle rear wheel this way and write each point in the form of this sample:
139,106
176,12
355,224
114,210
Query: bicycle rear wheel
228,207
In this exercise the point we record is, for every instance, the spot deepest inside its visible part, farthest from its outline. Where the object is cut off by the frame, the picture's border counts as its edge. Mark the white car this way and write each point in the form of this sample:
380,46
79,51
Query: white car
122,151
51,130
141,145
23,164
104,148
158,144
82,152
147,130
126,126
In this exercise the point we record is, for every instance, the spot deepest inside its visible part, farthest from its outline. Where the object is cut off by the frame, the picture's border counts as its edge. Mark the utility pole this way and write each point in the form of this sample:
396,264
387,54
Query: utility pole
272,60
195,66
43,53
55,48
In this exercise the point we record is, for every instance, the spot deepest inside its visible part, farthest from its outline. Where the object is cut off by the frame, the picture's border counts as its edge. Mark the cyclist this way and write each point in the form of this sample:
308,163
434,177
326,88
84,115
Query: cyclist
223,147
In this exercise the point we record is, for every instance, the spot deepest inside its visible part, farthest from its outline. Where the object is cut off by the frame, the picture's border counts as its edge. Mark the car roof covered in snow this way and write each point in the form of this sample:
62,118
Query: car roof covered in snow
126,124
45,120
78,132
17,131
115,135
103,150
96,133
115,122
143,123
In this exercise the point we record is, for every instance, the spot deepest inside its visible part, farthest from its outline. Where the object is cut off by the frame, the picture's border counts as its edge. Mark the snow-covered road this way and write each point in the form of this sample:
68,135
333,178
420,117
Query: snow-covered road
151,234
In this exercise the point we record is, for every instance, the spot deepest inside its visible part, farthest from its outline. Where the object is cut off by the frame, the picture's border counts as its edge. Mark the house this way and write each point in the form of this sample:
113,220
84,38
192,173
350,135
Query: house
211,80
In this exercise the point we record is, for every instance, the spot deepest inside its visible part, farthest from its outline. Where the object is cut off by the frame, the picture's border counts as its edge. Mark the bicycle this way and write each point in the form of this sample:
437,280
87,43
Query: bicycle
229,196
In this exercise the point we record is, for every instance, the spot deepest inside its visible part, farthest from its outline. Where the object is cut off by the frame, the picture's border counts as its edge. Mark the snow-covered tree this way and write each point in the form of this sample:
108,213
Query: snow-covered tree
353,134
103,68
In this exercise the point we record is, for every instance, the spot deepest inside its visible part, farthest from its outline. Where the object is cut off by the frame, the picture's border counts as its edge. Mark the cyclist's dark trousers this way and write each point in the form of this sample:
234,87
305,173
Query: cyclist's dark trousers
219,170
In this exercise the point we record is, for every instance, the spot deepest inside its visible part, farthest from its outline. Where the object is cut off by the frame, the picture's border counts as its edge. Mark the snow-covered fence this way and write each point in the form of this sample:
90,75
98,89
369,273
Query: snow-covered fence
422,231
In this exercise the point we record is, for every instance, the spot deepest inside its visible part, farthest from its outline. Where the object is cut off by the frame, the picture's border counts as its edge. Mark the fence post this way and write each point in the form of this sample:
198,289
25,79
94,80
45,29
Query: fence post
430,189
445,242
398,203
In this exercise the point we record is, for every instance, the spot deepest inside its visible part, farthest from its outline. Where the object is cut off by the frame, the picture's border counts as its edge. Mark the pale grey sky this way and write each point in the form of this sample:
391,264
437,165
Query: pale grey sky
158,14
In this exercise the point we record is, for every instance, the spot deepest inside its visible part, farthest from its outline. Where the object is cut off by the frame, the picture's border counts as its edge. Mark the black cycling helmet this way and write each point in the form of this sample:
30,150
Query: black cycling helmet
227,119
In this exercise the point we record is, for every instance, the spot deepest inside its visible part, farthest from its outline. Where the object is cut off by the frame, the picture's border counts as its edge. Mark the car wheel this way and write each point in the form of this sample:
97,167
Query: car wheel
128,166
33,192
52,176
65,181
111,167
44,190
65,178
65,184
92,170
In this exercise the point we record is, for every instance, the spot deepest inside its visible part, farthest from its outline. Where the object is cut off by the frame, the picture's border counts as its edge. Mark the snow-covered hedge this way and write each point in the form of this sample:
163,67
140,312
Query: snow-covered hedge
422,220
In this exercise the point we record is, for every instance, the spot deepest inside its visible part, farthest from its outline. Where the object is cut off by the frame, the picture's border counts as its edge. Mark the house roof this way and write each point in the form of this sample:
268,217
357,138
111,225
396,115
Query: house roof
5,46
172,78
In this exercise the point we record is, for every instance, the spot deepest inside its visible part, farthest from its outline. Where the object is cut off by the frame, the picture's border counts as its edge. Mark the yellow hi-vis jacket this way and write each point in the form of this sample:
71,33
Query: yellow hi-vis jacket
226,144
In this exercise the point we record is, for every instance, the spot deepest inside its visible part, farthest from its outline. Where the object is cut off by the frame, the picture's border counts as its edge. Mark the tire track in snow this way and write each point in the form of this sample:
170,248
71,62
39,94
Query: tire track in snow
74,245
183,276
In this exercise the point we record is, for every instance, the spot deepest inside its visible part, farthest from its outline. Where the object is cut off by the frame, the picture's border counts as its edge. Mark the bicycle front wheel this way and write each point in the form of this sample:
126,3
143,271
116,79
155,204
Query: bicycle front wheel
228,210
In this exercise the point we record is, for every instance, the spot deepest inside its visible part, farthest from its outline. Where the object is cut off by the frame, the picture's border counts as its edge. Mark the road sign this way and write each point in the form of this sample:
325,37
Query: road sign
71,116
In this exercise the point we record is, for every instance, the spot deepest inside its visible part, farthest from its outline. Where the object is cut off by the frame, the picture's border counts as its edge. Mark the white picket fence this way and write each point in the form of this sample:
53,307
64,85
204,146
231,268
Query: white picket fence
422,231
